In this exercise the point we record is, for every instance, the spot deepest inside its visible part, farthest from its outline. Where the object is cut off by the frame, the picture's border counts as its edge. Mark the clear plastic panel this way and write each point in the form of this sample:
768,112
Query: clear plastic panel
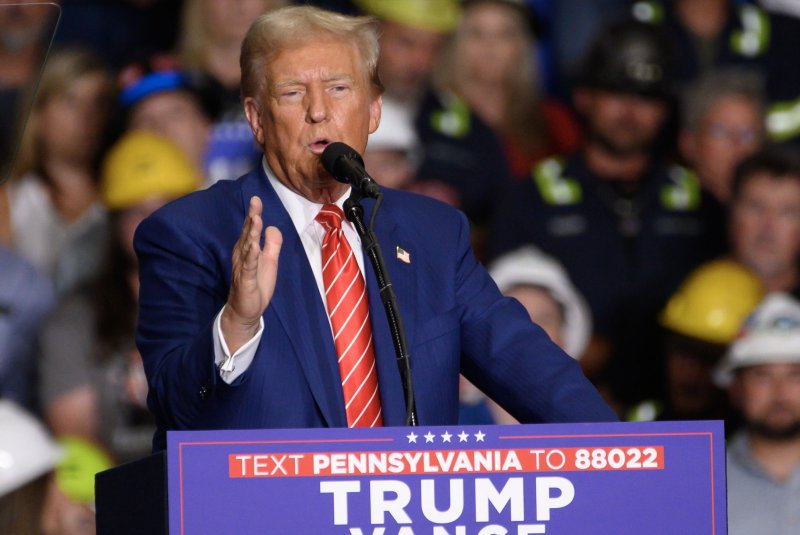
26,34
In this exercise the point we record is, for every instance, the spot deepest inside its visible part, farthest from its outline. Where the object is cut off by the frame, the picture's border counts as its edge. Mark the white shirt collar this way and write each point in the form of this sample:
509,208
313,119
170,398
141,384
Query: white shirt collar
301,211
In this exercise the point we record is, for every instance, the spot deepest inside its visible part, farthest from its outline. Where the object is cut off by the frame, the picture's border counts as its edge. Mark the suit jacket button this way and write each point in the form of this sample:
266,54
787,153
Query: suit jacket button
203,393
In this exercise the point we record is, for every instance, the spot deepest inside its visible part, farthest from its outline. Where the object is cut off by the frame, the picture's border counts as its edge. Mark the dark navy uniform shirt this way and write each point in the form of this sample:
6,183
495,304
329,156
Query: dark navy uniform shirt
625,252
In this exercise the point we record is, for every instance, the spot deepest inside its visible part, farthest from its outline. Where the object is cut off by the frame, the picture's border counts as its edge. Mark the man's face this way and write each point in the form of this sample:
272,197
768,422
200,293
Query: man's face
623,124
765,224
314,94
177,116
769,398
729,131
407,58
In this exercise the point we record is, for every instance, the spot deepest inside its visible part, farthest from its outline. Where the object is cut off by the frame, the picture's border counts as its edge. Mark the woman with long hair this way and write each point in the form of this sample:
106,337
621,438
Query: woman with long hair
56,219
491,64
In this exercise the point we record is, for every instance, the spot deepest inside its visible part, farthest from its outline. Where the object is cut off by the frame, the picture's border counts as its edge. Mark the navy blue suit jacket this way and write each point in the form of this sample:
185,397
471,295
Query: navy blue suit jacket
456,321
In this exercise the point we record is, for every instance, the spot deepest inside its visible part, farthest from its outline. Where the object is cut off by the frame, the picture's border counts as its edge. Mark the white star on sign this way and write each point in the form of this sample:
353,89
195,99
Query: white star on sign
446,436
479,436
462,436
429,437
411,437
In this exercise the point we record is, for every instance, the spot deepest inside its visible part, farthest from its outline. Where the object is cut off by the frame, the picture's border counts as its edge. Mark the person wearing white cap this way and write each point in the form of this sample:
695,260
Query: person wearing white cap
28,455
540,283
542,286
762,372
392,150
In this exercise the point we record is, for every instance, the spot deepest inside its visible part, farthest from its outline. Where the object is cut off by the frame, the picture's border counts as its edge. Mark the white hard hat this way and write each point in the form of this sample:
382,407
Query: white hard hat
26,449
771,334
528,266
396,129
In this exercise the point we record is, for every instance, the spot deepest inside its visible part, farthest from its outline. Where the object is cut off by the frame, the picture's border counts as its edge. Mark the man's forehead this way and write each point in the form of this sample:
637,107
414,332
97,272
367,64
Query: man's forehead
316,60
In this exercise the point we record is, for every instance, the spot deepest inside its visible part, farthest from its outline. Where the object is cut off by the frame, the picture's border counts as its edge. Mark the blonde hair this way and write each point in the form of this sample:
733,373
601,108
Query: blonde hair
62,69
522,117
278,30
194,40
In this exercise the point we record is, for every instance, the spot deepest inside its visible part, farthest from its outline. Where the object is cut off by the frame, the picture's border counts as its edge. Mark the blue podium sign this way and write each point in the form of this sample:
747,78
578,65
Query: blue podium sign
615,478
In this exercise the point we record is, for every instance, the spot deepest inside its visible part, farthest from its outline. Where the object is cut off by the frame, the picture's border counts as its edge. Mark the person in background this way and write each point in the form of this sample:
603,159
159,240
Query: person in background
625,222
210,40
26,29
393,150
542,286
462,158
764,222
491,64
761,371
157,96
709,34
29,457
69,507
92,382
412,35
723,121
700,321
26,297
57,220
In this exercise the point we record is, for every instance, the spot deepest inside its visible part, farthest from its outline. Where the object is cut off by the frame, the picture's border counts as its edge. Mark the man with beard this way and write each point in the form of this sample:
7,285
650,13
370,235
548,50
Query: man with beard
762,373
627,224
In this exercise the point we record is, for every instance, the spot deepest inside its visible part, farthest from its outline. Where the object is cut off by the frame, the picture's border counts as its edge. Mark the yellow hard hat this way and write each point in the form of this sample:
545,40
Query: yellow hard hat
76,471
435,15
713,301
143,165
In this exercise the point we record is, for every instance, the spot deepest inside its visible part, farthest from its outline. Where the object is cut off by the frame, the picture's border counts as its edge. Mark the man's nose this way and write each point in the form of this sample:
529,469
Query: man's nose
317,105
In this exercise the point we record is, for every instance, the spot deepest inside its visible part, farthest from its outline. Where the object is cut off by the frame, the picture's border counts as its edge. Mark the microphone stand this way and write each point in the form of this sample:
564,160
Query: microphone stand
355,214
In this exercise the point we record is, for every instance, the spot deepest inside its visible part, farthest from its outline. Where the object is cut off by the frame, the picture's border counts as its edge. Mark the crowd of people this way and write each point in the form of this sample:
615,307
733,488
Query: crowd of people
630,172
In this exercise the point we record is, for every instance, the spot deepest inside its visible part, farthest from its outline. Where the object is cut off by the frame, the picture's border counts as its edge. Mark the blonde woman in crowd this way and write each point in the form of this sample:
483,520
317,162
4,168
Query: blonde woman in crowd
56,219
211,36
491,64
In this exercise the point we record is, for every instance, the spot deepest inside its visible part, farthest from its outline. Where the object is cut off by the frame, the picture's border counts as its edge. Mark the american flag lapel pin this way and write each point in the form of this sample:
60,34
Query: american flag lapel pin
403,255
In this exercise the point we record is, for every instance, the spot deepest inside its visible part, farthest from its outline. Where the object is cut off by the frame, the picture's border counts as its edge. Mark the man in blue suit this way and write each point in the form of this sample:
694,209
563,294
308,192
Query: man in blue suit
233,324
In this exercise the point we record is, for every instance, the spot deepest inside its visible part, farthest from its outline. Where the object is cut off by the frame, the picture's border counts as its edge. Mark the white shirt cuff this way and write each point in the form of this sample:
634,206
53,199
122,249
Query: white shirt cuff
232,366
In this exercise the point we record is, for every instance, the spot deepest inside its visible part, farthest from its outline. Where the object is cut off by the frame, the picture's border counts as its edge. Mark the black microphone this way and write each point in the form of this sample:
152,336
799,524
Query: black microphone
346,165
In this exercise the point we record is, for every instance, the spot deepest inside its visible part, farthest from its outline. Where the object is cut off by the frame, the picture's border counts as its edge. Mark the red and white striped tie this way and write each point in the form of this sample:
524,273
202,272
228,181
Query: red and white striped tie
348,309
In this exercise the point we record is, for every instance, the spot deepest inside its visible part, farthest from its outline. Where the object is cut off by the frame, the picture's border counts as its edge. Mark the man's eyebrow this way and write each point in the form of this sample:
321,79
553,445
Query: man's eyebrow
333,77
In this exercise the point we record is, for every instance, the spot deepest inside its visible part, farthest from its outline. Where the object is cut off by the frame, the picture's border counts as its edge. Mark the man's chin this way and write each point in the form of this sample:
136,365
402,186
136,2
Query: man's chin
778,431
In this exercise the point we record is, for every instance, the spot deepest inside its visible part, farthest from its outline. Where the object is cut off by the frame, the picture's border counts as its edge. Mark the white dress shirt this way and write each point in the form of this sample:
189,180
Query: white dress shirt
302,213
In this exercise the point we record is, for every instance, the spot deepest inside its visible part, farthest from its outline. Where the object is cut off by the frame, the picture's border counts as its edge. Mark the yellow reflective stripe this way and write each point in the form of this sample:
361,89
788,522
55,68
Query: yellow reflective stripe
684,191
454,120
553,187
648,11
783,120
646,411
753,39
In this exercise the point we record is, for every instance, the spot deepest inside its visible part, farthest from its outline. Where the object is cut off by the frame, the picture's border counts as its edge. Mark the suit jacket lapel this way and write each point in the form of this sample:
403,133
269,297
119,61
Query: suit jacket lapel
403,279
298,306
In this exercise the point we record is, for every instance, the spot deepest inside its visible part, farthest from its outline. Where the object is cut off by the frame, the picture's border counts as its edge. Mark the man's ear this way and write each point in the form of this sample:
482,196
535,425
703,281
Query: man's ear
253,113
375,113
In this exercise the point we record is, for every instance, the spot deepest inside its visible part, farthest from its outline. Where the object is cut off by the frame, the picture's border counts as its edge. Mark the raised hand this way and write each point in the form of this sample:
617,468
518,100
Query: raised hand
253,278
